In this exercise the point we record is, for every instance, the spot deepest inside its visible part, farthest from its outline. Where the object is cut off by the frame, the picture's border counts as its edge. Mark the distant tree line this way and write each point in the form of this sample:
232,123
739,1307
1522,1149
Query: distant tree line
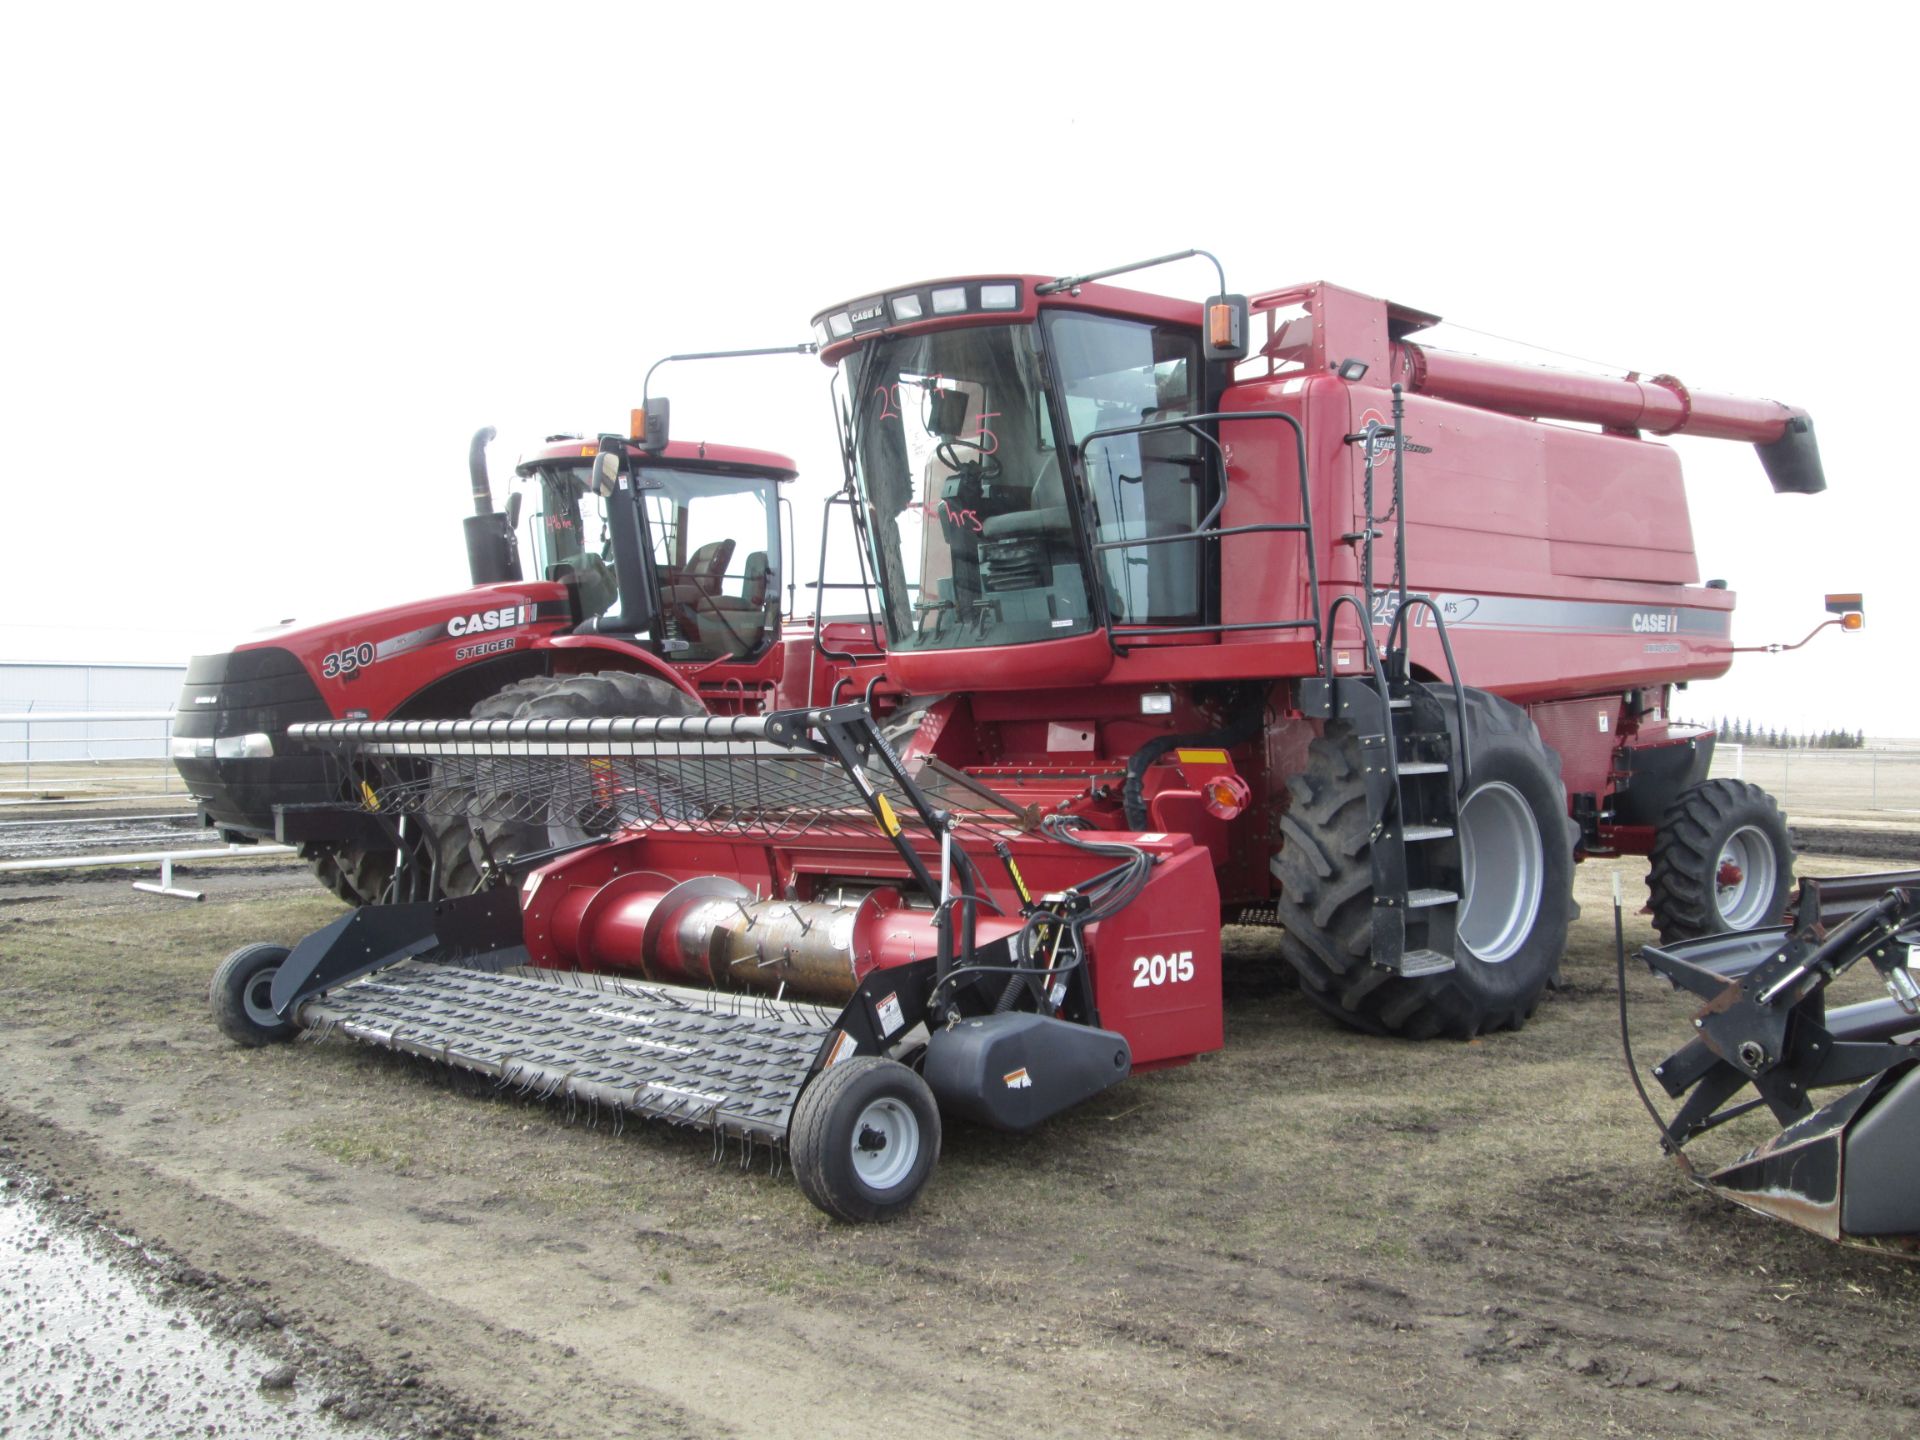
1745,732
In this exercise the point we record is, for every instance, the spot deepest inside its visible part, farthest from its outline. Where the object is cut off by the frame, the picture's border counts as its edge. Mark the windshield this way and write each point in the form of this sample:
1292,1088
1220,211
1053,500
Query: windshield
716,549
716,546
570,535
963,492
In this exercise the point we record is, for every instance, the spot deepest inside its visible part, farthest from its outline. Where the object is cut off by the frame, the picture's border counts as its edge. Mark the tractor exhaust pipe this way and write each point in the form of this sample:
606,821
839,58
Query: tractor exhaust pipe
477,470
493,556
1783,436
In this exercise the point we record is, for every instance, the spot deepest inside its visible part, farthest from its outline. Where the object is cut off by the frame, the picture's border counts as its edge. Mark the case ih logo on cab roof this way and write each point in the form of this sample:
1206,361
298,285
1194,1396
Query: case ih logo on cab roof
505,618
864,312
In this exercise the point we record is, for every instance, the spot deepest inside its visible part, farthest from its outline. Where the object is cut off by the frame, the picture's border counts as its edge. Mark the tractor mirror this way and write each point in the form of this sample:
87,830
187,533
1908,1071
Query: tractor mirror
513,510
650,425
946,412
1851,609
606,471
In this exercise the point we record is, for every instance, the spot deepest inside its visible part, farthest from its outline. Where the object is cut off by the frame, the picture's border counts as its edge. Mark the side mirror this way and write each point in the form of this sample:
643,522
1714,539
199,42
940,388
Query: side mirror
1224,336
1852,610
947,412
513,510
649,425
606,471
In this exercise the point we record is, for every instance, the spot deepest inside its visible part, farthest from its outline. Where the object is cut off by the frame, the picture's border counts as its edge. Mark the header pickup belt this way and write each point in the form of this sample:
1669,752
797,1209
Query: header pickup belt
730,1063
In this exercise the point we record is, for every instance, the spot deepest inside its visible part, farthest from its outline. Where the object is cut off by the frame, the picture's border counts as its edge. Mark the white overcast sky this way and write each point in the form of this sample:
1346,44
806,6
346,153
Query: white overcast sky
269,267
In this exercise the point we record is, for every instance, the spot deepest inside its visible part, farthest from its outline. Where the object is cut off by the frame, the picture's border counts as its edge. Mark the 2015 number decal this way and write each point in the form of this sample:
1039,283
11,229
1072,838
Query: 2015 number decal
344,662
1162,969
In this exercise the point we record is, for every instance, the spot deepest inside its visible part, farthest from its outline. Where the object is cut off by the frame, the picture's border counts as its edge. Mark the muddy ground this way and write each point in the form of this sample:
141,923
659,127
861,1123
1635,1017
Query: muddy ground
1308,1234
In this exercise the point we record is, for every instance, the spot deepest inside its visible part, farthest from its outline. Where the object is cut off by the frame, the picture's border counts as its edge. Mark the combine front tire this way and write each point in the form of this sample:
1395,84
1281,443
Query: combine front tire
864,1138
239,994
1516,900
1722,862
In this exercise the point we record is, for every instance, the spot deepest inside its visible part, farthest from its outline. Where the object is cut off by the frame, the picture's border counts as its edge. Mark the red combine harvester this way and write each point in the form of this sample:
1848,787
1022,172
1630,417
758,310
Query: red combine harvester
660,599
1140,564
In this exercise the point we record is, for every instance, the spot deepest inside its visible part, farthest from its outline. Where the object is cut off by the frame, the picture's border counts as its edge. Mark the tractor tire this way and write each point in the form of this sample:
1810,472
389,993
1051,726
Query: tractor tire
1722,862
864,1138
1513,919
353,873
364,876
238,996
604,695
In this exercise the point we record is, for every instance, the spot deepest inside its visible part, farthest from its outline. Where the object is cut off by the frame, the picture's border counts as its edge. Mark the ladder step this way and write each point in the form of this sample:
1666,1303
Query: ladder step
1427,832
1418,898
1401,703
1424,962
1424,767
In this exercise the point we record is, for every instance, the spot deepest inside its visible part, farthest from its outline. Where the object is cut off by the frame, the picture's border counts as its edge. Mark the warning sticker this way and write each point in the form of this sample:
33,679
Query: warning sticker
1018,1079
843,1048
888,1009
1201,757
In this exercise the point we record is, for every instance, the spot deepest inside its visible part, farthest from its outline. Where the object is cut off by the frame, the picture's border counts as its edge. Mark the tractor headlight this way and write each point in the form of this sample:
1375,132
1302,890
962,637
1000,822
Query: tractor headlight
191,747
243,747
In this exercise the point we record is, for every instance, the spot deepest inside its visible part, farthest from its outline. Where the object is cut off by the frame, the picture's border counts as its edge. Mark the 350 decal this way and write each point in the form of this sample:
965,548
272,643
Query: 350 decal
1162,969
342,663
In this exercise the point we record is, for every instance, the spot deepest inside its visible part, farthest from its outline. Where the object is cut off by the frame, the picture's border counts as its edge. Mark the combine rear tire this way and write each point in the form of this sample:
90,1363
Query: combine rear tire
1516,903
864,1138
239,994
1722,862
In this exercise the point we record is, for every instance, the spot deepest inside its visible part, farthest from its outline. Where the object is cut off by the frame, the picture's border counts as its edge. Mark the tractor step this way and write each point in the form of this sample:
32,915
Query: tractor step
1427,832
1418,899
1424,767
1415,963
731,1062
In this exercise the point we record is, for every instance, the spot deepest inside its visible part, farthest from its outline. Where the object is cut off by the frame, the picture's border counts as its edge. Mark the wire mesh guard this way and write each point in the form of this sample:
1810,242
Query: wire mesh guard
767,774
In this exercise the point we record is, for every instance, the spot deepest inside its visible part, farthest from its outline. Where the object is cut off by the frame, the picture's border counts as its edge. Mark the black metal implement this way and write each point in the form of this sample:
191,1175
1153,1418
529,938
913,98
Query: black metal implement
1847,1169
729,1063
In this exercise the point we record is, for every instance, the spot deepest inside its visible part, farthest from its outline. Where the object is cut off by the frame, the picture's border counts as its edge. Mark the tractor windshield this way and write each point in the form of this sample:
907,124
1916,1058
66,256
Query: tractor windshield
570,535
963,490
716,552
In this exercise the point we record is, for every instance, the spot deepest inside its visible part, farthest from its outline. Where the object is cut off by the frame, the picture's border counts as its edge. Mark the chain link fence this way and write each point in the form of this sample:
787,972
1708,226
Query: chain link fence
1881,781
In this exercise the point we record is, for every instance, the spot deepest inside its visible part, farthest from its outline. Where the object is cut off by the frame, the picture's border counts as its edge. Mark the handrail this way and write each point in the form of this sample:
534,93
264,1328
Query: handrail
1407,605
1206,531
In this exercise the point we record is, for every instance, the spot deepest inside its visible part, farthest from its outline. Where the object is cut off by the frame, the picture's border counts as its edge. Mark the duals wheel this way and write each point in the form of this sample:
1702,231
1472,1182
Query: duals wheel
1516,896
239,996
1722,862
864,1138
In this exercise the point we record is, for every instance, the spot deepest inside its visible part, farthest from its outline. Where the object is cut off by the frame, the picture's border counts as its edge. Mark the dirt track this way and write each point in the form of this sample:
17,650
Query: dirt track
1309,1234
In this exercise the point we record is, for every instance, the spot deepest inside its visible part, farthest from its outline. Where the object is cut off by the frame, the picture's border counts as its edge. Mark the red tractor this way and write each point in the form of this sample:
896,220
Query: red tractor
660,593
1351,612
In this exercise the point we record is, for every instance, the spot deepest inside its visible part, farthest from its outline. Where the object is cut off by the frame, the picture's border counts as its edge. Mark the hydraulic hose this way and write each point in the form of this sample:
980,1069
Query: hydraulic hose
1248,710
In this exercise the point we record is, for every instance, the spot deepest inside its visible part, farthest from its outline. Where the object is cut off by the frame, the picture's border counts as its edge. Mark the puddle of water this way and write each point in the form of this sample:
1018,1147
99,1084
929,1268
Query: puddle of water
84,1352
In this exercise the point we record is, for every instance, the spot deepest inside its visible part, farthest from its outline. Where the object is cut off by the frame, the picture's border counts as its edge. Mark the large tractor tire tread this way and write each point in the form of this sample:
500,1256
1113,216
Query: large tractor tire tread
1325,900
356,875
1687,854
601,695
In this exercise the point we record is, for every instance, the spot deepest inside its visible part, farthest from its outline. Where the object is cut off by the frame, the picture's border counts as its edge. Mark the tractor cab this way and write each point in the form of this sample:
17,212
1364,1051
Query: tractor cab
1022,473
703,579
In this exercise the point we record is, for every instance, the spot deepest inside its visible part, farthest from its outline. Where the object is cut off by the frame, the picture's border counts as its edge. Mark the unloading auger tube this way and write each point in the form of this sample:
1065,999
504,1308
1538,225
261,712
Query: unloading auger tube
771,930
1846,1168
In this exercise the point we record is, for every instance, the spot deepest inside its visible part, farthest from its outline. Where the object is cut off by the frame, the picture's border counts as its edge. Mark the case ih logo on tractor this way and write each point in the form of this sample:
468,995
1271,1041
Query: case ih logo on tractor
1254,609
